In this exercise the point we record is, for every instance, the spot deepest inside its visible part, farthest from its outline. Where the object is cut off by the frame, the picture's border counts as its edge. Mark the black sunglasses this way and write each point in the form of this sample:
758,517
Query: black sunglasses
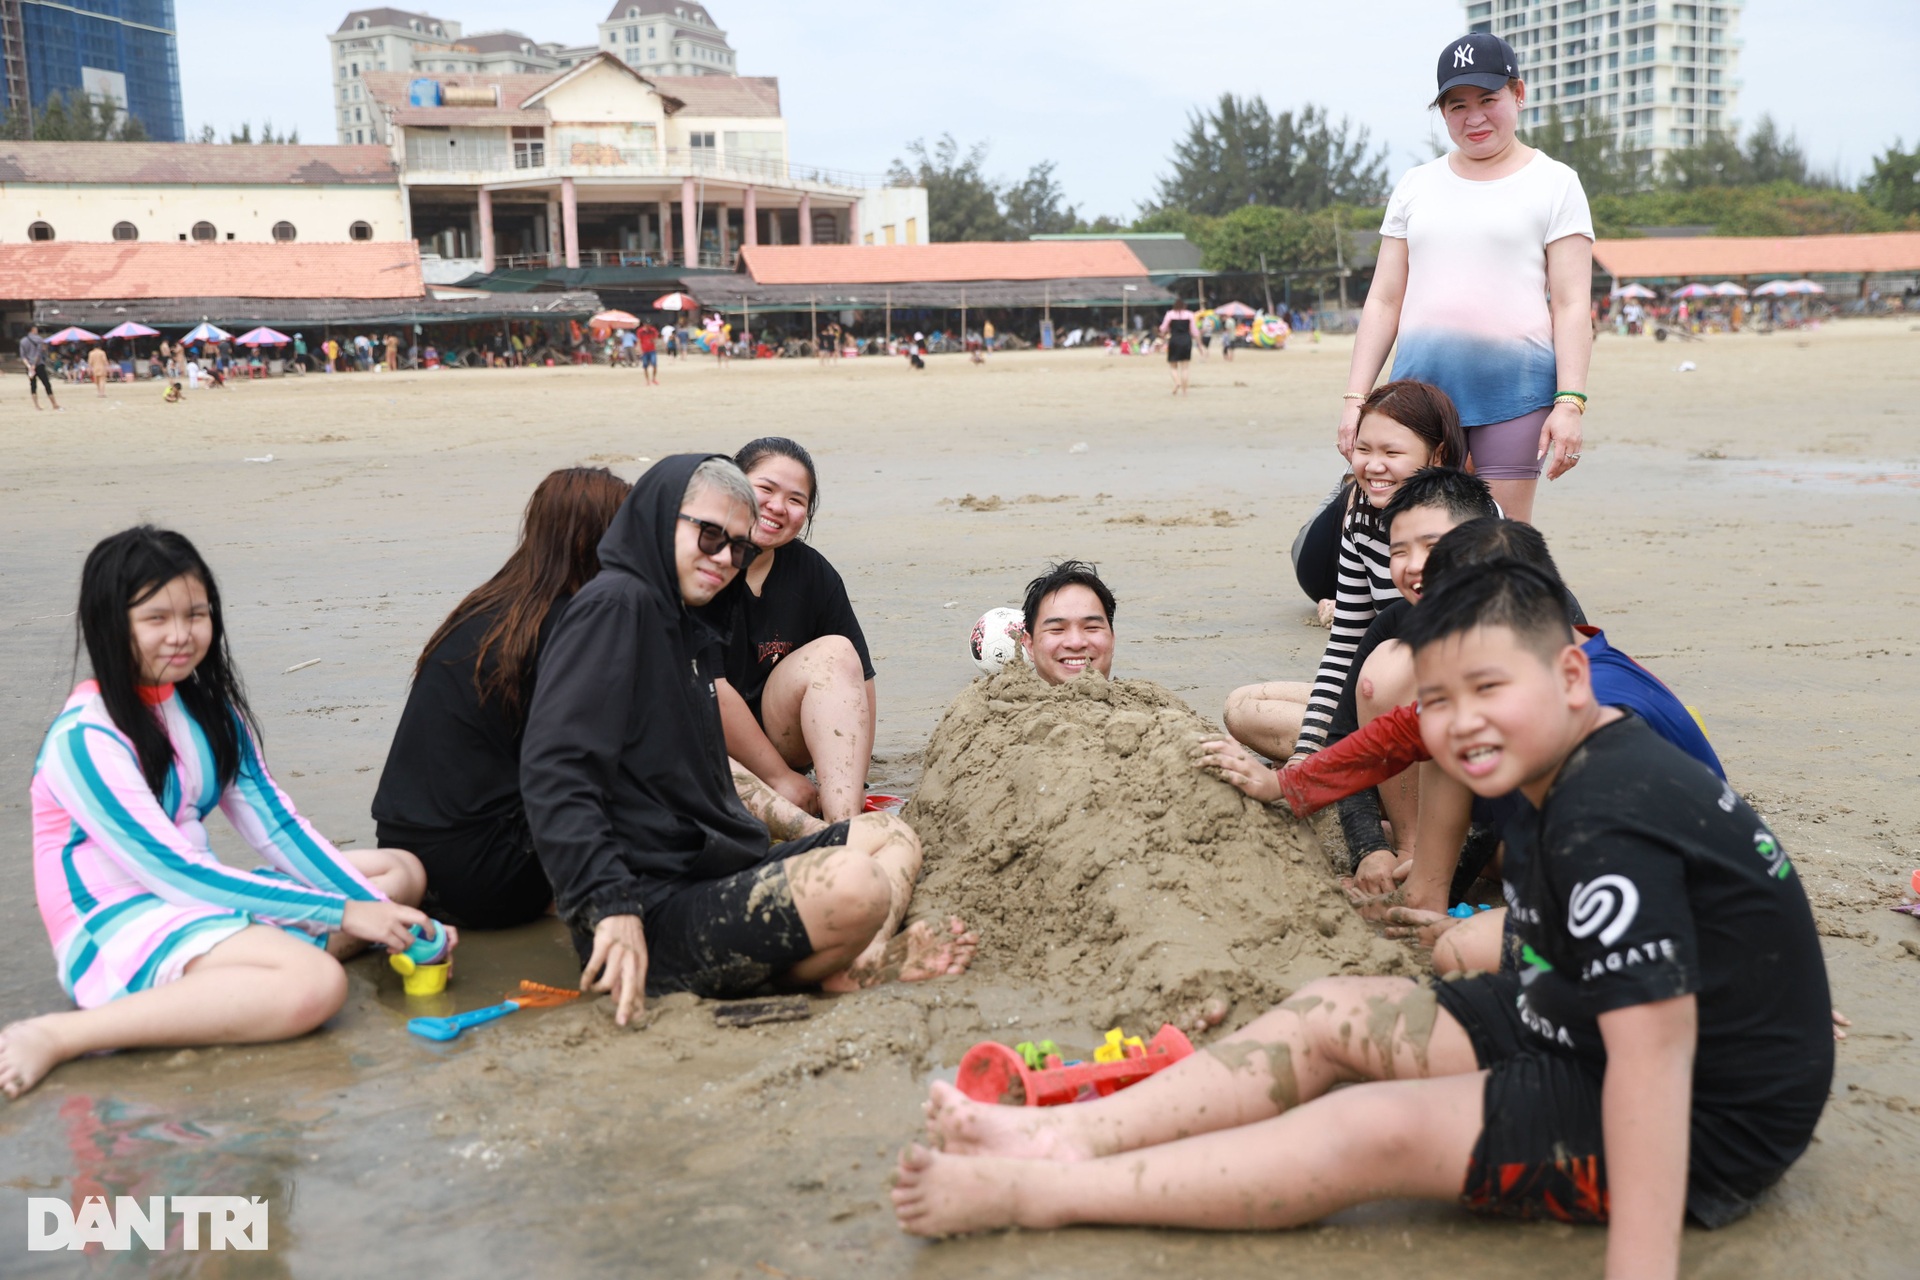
713,537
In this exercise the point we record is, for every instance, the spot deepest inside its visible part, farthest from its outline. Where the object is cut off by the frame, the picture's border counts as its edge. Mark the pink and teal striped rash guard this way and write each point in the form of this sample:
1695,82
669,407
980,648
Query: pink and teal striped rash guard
128,886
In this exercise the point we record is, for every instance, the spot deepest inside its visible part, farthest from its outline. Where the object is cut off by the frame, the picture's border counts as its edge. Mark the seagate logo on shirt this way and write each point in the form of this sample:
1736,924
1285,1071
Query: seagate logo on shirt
1605,906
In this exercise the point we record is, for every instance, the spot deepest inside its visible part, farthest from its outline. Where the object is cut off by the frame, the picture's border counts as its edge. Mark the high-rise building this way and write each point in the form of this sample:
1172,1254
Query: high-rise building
121,51
667,38
1664,75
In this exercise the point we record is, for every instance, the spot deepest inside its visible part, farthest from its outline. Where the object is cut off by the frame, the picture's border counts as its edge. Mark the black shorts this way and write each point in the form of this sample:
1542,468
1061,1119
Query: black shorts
486,878
1541,1152
38,374
723,939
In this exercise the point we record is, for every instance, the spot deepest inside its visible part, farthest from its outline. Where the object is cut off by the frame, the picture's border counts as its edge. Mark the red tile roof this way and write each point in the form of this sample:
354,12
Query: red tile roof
757,96
926,263
1717,257
472,117
389,88
181,163
170,269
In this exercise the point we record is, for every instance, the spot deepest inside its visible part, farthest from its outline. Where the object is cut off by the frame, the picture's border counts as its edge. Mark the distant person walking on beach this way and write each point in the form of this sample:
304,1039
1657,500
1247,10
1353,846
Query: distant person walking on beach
33,354
1470,312
648,339
1177,324
97,369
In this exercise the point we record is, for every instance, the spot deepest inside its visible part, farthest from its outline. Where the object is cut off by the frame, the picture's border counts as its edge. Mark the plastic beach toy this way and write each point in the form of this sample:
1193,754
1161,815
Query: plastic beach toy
1033,1075
878,803
1466,911
532,995
425,966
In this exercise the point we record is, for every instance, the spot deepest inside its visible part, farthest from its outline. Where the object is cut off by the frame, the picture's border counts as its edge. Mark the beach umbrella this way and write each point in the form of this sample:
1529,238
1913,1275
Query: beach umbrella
1693,291
676,302
1634,291
616,320
1728,289
207,332
74,333
1240,309
1805,286
1773,289
132,329
263,337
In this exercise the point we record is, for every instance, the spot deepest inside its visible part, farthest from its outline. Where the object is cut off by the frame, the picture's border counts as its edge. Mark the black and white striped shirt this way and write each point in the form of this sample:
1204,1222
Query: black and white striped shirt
1365,587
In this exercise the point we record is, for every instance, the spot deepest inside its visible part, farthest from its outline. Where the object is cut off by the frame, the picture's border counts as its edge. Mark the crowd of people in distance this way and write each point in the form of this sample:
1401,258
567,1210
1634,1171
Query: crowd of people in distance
656,723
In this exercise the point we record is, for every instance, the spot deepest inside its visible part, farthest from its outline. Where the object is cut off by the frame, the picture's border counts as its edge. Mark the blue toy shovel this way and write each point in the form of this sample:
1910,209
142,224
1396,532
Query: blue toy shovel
532,995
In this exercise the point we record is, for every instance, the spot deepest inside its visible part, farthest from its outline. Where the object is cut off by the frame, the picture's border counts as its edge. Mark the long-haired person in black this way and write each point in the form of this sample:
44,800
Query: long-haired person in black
798,692
451,788
156,940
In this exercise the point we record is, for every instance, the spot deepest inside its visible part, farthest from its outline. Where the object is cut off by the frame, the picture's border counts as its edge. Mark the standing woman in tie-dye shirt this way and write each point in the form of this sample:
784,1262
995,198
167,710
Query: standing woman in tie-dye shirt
1485,279
155,939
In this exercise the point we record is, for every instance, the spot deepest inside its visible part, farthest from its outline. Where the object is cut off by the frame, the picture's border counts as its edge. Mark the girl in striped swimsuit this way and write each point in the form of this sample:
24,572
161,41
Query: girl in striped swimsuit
1404,426
156,940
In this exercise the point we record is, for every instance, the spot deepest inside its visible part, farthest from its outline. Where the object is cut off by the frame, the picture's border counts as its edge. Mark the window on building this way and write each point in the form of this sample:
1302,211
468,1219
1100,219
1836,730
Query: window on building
124,231
529,147
205,231
283,231
360,231
40,231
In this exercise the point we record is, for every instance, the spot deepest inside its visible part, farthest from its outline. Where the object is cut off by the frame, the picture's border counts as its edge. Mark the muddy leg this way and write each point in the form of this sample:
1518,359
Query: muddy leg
1336,1030
1401,1139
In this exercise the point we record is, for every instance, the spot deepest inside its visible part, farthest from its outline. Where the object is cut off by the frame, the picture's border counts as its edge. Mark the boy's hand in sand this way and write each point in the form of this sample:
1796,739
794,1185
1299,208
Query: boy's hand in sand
1233,763
1421,927
618,965
1381,872
383,923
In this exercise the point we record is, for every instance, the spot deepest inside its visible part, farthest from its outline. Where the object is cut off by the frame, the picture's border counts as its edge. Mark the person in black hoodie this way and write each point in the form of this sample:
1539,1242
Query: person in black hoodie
450,791
666,878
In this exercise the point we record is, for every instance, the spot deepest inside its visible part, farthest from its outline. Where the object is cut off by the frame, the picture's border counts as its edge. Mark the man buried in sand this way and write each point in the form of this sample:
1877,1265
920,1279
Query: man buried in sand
666,879
1069,620
1663,1053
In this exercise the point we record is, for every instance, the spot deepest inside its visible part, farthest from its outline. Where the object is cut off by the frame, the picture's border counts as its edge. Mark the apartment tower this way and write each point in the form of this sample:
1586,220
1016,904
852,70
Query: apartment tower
1664,75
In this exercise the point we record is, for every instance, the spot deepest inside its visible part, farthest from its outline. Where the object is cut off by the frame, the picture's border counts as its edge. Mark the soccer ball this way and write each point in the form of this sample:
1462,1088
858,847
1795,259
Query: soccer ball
996,639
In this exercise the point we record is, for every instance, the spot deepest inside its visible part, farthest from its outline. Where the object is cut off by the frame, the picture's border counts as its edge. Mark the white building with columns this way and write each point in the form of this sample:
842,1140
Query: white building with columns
599,165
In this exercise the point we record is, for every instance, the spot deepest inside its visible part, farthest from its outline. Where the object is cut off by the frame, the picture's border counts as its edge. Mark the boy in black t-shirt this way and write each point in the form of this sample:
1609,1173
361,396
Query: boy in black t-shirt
1665,1049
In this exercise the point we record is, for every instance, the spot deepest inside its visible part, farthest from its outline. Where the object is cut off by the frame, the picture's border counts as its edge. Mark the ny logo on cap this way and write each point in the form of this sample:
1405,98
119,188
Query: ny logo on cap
1462,56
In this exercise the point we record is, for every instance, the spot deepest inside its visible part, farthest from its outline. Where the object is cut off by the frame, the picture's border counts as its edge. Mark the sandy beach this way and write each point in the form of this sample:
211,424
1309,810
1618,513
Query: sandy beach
1747,530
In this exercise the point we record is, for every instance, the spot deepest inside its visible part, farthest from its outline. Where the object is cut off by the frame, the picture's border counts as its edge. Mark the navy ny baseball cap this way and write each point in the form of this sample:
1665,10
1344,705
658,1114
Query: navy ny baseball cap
1480,59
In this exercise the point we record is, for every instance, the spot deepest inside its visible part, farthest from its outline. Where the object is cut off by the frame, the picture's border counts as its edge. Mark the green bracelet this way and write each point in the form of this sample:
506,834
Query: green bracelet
1580,396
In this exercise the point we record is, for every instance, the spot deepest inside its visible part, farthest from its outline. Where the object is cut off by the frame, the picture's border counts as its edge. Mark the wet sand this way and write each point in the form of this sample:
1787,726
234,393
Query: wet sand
1748,530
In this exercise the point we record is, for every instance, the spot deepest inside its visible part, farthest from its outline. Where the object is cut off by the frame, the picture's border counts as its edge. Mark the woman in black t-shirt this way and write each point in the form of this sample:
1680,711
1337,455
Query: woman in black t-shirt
798,692
450,793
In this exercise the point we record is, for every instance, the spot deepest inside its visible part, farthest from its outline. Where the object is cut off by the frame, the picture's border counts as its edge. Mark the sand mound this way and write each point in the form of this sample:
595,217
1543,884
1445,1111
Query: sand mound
1069,825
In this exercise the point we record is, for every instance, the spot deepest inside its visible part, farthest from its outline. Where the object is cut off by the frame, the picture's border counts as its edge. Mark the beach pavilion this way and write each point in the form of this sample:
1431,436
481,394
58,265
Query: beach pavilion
1848,265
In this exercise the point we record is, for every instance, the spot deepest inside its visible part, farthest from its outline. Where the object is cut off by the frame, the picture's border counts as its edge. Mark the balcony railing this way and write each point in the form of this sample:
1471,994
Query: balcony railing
591,159
615,258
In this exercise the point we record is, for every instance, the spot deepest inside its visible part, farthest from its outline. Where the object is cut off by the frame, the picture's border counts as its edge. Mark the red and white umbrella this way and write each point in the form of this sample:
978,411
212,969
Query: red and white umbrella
74,333
132,329
1693,291
1235,309
263,337
676,302
615,320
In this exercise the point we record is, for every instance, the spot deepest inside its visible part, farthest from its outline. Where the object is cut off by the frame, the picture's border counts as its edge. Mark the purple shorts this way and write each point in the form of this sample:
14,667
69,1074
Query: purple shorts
1508,450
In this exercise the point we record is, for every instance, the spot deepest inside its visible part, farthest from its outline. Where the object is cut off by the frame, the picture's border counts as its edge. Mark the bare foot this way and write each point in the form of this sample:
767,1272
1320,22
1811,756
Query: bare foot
27,1052
915,954
958,1125
1205,1016
944,1195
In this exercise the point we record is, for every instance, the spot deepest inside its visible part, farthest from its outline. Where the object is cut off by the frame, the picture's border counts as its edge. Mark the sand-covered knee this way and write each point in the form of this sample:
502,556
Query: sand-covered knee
1068,824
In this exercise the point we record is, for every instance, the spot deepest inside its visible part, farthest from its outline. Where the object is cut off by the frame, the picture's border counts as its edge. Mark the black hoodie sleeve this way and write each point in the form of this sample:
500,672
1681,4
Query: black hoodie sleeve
576,735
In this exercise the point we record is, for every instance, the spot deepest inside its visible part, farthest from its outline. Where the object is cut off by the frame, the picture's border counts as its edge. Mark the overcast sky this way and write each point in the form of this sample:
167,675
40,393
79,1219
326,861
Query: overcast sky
1101,86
